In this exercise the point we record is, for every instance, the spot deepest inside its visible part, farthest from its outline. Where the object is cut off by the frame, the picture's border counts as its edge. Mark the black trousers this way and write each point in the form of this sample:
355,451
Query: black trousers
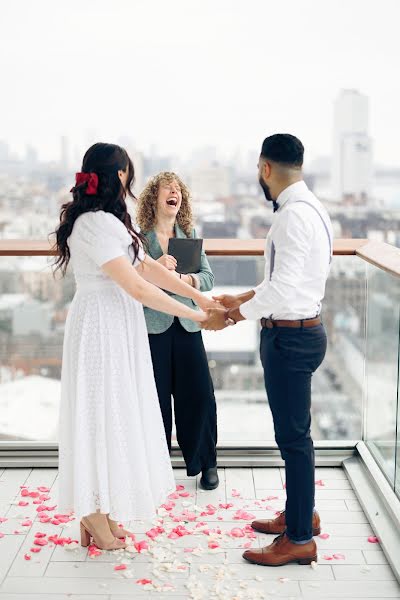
181,370
289,357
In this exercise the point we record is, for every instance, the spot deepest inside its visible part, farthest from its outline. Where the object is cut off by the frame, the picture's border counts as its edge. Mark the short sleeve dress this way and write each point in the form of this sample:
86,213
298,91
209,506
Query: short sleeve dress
113,455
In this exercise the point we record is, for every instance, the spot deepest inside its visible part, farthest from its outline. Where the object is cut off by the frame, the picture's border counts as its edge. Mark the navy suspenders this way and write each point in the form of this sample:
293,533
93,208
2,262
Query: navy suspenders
272,257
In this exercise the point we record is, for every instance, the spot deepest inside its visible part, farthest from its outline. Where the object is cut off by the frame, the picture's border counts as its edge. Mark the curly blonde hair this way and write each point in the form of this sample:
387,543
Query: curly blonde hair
147,203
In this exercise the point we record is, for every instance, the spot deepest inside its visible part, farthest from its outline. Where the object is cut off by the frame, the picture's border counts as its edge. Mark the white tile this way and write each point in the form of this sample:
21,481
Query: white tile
341,516
245,570
350,589
10,482
347,529
240,480
267,478
38,563
9,547
344,542
351,557
324,493
99,570
353,505
77,585
324,504
334,484
375,557
7,596
330,473
370,572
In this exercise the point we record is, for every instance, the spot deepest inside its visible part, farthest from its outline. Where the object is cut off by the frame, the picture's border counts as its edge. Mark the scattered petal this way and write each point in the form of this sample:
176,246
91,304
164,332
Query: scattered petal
26,523
40,542
324,536
120,568
23,503
373,539
27,557
3,519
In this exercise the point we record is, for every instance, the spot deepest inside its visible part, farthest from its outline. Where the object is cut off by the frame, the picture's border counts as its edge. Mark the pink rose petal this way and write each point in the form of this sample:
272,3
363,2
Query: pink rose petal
1,535
320,483
34,494
44,518
38,534
225,506
43,488
237,532
188,549
3,519
154,532
373,539
120,568
23,503
324,536
179,488
40,542
27,557
143,545
235,493
174,496
213,545
339,556
24,492
327,557
35,550
144,581
26,523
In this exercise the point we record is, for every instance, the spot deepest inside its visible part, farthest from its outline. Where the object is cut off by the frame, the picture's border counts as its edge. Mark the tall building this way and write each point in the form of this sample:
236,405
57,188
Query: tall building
352,148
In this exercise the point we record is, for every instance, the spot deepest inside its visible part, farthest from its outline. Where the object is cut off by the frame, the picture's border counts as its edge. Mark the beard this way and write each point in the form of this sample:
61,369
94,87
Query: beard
265,189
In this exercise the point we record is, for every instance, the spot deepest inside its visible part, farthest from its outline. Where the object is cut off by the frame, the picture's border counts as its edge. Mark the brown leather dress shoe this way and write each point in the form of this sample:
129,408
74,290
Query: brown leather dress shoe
278,525
282,552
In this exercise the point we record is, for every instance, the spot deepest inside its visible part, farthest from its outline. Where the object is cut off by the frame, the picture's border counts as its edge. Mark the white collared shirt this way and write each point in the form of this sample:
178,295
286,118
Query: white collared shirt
301,259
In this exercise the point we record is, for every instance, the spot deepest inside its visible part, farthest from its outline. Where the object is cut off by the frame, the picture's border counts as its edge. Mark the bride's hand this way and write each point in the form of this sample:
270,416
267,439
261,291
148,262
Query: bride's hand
207,304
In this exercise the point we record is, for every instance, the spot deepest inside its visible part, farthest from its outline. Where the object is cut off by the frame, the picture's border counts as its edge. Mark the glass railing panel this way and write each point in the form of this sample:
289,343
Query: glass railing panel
234,362
33,309
382,363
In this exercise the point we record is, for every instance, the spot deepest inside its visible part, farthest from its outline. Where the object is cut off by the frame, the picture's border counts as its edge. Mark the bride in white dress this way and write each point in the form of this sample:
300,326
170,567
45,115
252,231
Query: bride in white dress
114,462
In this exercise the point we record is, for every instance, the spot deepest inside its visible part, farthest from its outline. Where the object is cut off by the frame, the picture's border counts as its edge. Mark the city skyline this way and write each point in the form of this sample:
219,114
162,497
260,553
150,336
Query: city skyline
186,76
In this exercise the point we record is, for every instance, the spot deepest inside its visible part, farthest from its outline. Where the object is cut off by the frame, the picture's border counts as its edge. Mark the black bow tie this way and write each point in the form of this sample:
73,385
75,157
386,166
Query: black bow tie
275,205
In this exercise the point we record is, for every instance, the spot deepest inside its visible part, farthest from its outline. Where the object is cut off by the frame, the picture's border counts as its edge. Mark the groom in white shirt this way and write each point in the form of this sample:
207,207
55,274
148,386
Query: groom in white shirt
298,253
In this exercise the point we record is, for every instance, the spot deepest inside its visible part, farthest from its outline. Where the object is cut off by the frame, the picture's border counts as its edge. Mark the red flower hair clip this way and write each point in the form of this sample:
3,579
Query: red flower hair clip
91,179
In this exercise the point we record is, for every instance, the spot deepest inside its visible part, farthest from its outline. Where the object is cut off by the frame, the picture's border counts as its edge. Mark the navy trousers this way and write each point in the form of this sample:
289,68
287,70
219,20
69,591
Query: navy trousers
181,370
289,357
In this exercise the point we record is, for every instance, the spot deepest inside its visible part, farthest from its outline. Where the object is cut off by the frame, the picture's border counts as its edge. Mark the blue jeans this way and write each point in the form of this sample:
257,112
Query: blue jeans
289,357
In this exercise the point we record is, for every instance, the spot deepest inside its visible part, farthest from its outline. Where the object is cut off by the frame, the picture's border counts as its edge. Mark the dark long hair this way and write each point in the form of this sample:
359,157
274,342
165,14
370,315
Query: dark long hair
105,160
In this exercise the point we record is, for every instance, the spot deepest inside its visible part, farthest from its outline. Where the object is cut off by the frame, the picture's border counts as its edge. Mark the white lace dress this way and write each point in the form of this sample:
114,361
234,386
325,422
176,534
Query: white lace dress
113,454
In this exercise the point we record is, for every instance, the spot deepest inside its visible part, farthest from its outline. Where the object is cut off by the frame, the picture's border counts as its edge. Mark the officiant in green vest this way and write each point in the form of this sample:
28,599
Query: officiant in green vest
179,359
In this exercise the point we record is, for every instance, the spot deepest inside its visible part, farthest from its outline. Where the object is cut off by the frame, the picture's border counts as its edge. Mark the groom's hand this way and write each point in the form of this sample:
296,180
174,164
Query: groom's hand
216,320
228,301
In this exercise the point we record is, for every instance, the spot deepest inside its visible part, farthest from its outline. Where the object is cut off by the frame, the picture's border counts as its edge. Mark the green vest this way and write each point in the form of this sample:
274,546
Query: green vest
158,322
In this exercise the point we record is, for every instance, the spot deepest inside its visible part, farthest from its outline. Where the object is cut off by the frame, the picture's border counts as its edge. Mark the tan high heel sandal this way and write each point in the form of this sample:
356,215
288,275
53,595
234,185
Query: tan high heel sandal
119,532
102,536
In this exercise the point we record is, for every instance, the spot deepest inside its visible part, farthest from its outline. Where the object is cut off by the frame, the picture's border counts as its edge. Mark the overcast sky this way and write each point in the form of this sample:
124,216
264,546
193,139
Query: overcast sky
185,73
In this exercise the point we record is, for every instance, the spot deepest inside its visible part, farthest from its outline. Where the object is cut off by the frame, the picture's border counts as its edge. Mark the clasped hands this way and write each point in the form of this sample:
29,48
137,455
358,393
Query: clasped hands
217,310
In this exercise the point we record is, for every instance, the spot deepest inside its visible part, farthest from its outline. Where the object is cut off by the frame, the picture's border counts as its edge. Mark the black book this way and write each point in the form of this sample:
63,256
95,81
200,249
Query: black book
187,252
